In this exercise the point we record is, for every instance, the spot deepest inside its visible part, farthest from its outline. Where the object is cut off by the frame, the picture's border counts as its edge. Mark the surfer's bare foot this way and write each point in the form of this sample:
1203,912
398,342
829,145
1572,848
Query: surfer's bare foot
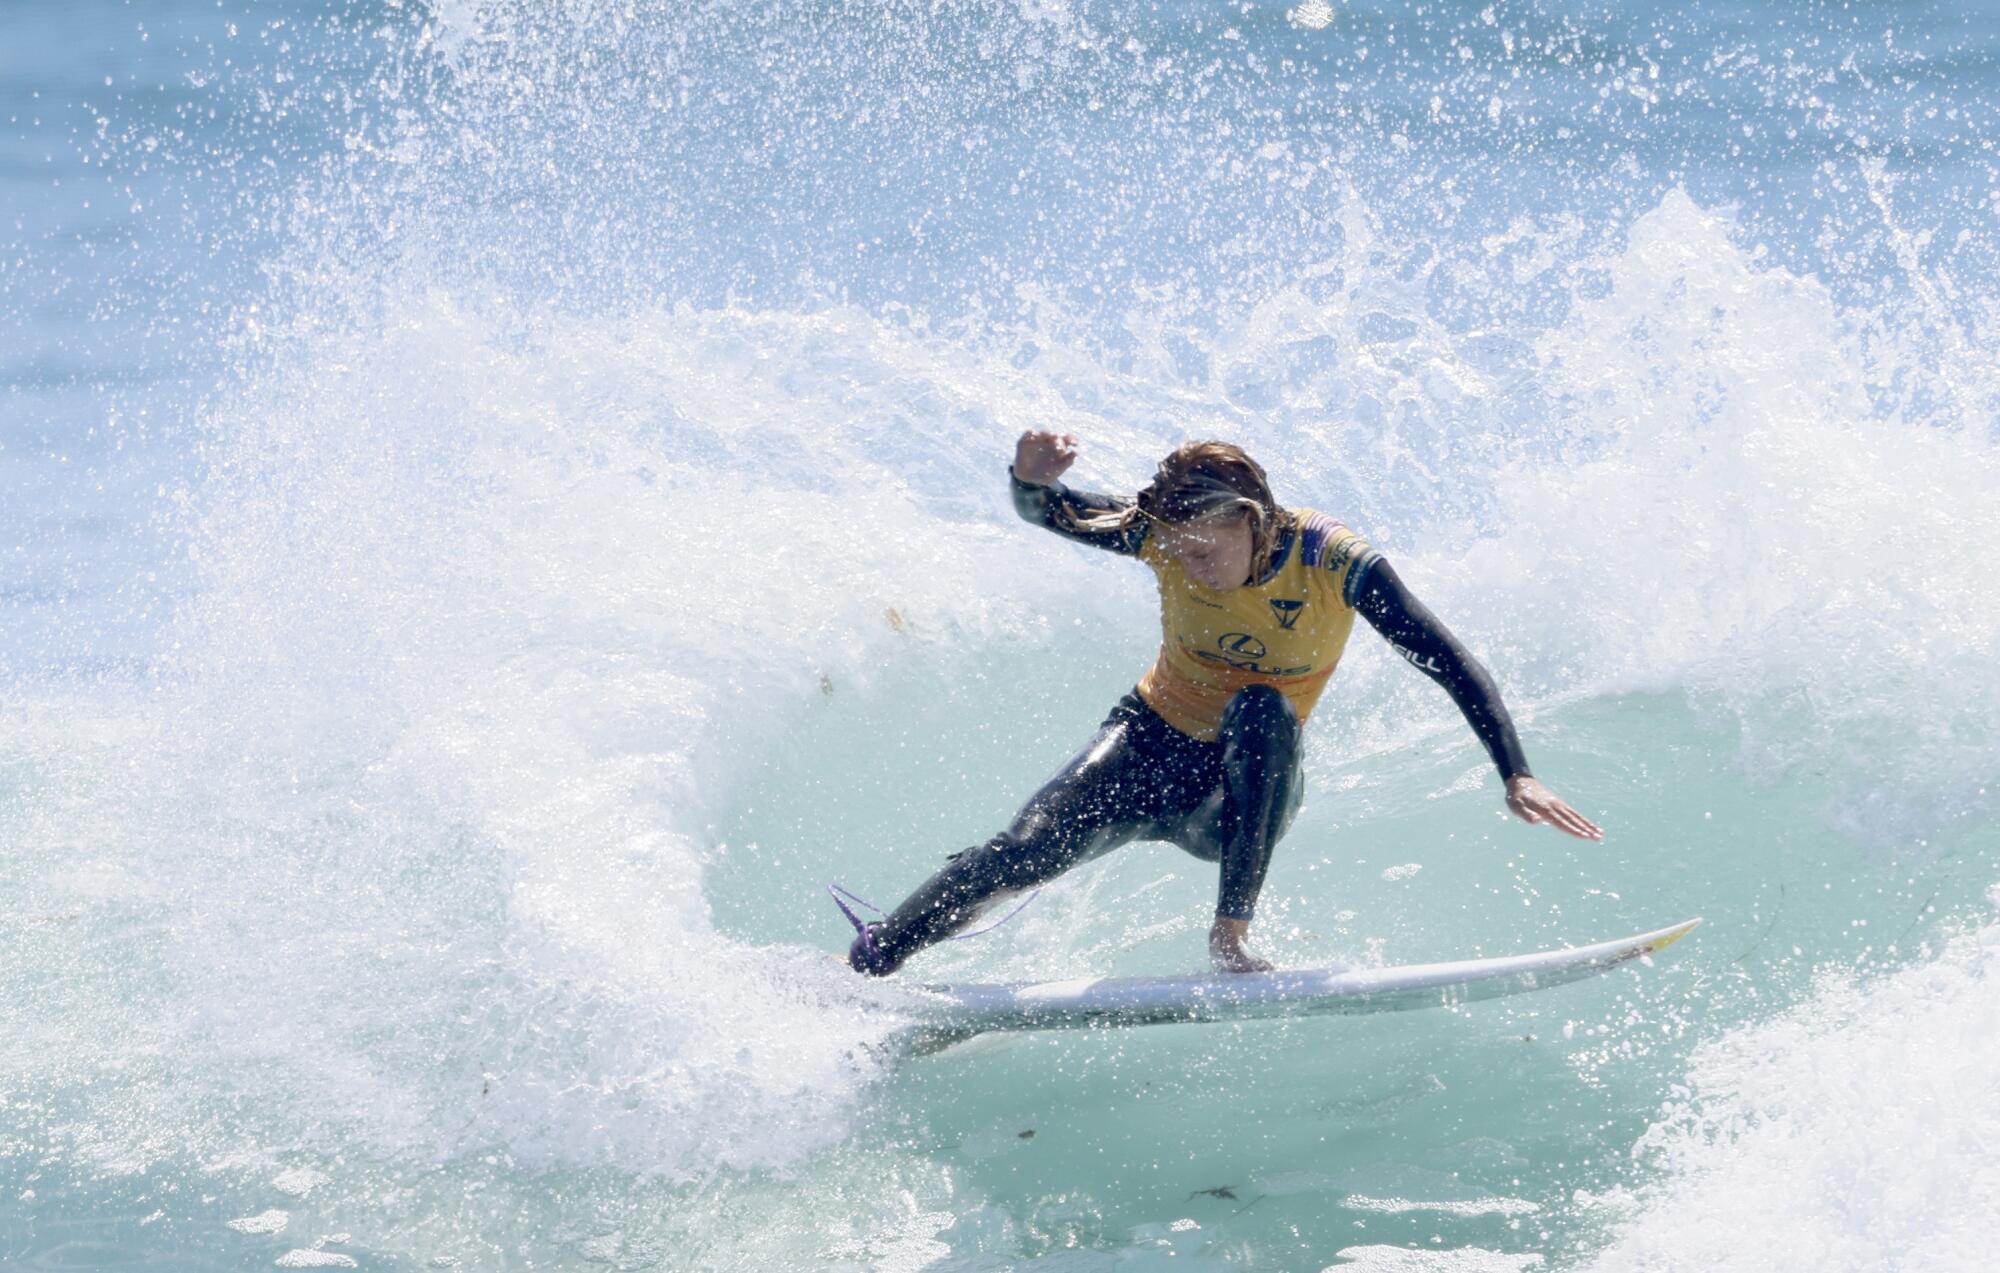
1226,950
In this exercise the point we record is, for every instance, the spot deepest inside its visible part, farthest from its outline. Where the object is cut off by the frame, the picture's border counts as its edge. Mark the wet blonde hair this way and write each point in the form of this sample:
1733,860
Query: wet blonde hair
1201,480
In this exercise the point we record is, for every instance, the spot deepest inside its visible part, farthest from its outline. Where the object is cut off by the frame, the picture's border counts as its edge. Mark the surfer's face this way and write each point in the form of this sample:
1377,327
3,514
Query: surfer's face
1215,551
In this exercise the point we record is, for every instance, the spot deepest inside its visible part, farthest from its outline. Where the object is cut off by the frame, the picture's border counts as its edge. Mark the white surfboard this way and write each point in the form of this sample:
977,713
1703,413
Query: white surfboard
958,1012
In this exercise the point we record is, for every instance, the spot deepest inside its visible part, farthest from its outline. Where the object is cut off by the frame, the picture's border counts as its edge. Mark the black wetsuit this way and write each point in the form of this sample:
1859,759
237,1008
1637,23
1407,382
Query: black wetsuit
1227,801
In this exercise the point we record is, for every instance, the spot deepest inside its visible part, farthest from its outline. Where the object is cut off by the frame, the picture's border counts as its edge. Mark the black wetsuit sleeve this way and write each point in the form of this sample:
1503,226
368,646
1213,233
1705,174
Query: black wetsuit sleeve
1415,633
1057,507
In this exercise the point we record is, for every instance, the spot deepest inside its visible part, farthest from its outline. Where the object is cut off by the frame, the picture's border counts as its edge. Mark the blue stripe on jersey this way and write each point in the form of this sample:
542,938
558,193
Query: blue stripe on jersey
1314,536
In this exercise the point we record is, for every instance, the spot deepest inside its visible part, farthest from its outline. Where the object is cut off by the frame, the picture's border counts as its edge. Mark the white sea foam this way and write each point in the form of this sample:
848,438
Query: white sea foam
1443,1206
1756,497
304,1258
1397,1259
550,661
1855,1132
298,1182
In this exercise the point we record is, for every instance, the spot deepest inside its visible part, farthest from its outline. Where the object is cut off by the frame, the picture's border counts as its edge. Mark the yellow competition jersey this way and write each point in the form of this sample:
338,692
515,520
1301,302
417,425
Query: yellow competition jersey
1286,632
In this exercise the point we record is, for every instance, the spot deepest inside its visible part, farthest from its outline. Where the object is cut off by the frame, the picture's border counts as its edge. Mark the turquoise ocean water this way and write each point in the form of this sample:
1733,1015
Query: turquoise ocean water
500,502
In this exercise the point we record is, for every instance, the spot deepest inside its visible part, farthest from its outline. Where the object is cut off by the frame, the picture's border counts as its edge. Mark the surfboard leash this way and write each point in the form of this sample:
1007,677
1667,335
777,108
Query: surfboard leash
836,892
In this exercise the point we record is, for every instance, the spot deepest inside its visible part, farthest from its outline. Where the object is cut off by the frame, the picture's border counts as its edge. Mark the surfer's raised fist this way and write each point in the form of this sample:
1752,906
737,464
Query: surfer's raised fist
1041,457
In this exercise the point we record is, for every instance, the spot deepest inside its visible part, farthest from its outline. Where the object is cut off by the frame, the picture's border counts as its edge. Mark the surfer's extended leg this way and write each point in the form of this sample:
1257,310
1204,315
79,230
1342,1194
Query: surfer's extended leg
1260,774
1135,771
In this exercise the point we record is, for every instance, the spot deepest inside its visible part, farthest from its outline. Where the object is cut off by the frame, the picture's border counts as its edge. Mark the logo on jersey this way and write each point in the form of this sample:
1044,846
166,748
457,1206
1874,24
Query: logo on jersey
1338,554
1241,651
1242,644
1286,612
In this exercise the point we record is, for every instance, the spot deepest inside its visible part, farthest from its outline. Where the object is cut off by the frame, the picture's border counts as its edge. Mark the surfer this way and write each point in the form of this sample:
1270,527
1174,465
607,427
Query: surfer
1256,603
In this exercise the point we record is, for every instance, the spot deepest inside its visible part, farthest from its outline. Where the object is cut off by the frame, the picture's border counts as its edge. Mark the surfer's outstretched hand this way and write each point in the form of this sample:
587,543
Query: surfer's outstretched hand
1533,802
1041,457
